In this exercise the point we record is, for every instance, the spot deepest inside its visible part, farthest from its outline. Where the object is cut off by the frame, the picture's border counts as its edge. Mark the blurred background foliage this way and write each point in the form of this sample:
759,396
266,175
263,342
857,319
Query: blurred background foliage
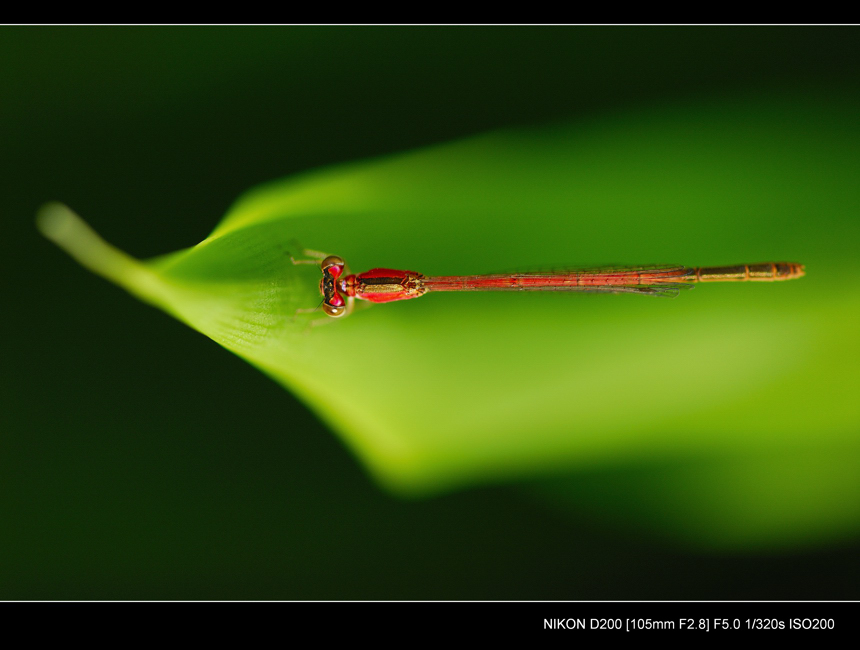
139,460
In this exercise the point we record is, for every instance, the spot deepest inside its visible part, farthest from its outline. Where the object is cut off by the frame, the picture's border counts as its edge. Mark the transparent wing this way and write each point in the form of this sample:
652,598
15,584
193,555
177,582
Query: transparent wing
562,269
667,290
654,280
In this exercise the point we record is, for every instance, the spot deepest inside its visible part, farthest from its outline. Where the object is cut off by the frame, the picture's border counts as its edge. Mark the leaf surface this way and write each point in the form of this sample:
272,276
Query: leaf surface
458,389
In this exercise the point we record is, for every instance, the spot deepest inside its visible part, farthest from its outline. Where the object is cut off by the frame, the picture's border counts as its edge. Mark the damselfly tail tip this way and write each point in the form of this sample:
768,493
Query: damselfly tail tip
788,270
796,270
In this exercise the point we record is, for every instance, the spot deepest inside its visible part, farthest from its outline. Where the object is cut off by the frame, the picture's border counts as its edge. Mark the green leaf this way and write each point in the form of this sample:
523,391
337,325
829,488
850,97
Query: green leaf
457,389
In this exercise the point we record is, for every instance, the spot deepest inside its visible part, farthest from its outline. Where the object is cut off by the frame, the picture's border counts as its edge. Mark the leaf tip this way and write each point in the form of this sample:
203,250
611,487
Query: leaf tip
57,222
67,230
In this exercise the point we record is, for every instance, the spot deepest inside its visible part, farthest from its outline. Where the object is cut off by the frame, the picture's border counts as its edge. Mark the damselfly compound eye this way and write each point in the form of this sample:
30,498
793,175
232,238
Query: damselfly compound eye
334,306
334,312
333,265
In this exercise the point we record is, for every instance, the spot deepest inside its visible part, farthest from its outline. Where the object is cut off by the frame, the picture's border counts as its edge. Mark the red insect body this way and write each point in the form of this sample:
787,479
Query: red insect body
384,285
390,285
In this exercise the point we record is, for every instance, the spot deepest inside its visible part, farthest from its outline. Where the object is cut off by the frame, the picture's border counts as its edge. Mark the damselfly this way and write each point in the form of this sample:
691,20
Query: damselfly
339,288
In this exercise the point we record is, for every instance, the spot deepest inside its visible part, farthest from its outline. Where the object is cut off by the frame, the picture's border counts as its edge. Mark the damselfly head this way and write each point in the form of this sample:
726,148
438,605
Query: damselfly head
333,303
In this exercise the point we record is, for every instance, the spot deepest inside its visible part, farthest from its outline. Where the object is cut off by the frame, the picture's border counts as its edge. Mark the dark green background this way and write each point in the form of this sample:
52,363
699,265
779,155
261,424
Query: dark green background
126,468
